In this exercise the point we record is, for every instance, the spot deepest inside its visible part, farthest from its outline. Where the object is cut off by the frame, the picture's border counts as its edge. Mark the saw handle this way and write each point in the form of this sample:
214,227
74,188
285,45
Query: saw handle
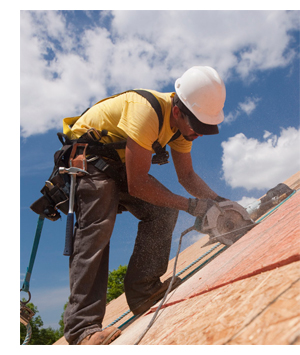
198,224
69,235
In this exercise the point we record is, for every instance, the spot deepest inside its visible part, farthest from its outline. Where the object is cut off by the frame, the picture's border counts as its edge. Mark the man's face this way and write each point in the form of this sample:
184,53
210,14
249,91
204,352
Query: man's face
188,133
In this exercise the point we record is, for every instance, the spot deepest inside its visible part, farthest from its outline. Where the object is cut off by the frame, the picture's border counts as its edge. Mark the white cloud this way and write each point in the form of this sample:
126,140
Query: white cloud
63,69
254,164
247,107
246,201
267,134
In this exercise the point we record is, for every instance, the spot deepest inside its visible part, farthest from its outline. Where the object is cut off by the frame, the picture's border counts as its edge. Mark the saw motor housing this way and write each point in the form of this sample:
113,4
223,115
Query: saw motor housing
225,222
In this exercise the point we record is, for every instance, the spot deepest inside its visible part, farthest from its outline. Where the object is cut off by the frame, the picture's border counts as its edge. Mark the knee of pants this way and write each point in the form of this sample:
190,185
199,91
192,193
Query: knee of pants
172,214
152,245
169,217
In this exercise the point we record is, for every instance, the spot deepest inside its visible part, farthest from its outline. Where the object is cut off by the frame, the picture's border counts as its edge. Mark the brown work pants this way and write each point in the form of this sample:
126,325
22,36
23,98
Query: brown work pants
97,200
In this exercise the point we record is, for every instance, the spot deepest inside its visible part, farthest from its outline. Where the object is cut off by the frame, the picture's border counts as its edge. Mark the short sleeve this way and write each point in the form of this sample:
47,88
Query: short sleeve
181,145
139,121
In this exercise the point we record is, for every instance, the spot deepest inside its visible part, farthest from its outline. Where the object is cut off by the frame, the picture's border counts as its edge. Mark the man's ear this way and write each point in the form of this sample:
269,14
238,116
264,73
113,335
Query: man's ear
175,111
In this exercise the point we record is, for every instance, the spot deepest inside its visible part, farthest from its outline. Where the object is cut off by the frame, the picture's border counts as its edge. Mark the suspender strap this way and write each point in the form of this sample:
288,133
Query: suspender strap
157,108
175,136
154,103
162,155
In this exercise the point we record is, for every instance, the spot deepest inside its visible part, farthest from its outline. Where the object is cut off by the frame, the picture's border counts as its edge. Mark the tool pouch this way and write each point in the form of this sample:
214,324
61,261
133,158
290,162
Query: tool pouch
57,188
73,154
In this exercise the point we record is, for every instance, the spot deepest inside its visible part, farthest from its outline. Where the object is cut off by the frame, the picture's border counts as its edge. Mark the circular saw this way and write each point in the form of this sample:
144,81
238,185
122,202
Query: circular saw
225,222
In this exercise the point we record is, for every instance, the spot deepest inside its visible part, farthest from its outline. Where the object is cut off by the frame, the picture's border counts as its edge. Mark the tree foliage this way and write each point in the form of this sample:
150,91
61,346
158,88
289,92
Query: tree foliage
115,286
61,321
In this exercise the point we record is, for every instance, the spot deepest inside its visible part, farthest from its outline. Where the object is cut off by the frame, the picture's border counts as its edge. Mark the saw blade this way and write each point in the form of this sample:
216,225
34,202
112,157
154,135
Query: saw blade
229,221
225,222
230,237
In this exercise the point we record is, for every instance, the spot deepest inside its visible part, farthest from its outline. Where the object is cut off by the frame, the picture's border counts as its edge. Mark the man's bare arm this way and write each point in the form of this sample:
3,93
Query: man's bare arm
144,186
188,178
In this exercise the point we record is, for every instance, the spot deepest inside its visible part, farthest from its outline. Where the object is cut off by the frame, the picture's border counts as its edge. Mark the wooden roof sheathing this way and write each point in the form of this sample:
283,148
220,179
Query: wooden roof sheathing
248,294
272,243
262,309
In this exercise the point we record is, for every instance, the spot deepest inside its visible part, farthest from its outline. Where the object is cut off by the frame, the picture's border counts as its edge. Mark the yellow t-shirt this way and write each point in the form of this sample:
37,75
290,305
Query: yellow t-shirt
131,115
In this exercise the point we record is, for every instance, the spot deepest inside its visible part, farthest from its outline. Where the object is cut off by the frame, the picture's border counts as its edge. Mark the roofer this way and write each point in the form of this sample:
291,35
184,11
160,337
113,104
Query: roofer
195,109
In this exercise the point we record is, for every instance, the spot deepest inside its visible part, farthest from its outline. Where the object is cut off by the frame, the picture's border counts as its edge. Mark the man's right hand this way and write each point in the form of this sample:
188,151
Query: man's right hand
199,207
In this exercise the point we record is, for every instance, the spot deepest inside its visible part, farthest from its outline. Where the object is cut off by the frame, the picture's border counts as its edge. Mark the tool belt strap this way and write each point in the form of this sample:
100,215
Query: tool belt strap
103,166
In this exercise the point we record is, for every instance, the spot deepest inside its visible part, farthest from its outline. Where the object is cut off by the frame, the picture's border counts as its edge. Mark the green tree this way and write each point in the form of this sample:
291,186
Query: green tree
115,286
40,336
61,322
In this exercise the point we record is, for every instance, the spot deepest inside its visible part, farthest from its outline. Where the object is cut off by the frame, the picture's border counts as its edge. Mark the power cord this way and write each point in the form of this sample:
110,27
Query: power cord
168,290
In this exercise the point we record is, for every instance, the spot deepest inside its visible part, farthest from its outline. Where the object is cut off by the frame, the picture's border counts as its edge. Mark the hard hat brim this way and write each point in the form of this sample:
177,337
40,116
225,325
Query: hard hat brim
202,128
197,122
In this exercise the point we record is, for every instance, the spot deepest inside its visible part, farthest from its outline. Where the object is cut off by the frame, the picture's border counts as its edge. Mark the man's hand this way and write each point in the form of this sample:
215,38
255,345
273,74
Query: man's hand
199,207
220,199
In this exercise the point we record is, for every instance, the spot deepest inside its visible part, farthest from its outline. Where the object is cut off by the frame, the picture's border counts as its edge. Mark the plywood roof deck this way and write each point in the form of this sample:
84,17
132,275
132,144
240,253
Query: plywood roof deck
248,294
262,309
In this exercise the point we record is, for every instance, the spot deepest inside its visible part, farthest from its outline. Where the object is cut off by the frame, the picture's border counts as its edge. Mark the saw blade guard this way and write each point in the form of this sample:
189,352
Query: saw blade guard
225,222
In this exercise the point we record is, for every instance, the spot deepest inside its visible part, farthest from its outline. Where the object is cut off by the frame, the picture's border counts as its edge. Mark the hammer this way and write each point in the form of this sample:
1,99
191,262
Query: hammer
73,171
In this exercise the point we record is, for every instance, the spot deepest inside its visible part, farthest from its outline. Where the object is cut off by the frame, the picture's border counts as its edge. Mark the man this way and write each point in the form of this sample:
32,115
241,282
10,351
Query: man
195,110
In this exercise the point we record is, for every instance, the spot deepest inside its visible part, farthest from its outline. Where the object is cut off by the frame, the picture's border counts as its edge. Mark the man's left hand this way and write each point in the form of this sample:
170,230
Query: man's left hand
198,207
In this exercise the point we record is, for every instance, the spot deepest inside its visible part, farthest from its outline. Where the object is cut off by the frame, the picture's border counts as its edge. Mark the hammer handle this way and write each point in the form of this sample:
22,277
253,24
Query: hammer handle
69,235
70,219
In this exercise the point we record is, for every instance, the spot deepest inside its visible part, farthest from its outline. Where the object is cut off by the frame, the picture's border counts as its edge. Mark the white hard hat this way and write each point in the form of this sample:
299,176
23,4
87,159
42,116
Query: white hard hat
203,92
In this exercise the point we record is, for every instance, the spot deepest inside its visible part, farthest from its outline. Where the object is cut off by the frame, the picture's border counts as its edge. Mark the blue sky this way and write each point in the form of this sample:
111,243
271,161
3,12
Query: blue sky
71,59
